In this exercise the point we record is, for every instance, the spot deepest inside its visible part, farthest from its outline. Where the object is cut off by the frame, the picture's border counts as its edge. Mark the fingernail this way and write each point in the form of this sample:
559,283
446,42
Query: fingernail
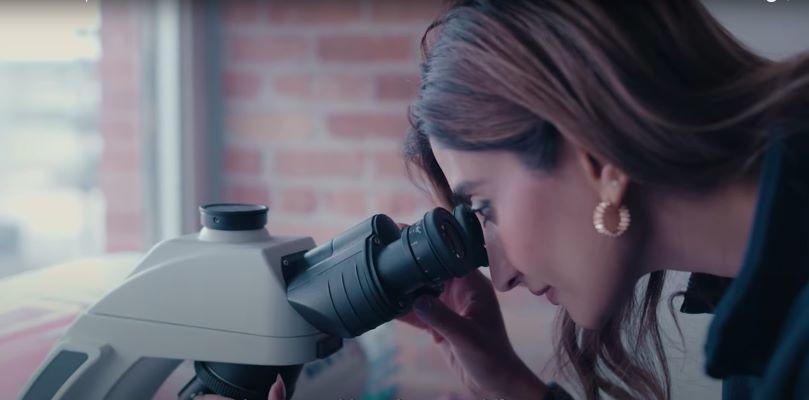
282,390
423,304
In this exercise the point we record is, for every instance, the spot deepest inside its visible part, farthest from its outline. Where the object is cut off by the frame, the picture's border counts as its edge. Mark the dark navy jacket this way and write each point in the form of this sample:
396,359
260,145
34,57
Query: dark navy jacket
758,341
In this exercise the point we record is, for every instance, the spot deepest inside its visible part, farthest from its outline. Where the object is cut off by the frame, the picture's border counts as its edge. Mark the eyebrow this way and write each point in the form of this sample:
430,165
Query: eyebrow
463,189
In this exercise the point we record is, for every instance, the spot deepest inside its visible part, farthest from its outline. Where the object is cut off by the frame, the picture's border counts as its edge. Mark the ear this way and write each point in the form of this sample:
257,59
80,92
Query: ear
609,182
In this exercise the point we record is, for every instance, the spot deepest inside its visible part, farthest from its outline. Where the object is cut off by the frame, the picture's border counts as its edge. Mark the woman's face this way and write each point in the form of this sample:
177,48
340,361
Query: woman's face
539,231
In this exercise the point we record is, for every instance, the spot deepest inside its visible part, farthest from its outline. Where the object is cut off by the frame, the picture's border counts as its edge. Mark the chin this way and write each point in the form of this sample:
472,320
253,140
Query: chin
588,319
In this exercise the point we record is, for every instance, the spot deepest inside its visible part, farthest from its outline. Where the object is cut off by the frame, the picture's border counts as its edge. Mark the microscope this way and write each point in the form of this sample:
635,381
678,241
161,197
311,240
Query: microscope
246,305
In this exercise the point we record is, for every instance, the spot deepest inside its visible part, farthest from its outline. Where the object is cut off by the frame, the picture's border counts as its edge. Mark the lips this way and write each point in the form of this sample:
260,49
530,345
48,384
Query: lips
551,296
549,293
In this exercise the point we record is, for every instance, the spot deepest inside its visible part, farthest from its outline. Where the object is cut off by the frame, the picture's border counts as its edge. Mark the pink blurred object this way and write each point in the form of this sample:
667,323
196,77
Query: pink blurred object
24,343
37,307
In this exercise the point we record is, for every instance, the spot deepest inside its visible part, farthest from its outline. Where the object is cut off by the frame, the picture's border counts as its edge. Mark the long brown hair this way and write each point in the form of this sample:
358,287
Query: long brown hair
658,88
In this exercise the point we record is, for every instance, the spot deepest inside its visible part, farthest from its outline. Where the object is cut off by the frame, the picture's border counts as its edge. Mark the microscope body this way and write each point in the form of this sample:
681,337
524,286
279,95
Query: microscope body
216,296
245,305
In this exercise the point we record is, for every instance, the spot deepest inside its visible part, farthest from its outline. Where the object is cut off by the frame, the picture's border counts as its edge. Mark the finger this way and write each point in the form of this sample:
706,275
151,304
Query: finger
460,290
413,320
210,397
480,300
437,338
444,321
478,281
278,390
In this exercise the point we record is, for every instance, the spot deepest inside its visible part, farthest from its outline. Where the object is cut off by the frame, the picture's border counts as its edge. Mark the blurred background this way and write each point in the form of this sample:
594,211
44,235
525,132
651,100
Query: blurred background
118,118
123,116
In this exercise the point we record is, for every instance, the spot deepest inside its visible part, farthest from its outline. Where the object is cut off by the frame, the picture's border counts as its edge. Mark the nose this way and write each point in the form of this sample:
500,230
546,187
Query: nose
504,276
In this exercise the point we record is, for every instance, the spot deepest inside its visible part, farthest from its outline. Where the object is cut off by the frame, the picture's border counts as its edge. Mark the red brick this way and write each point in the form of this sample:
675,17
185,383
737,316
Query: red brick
319,190
398,203
119,46
319,163
267,48
241,11
121,98
388,164
324,87
242,161
295,86
241,84
118,15
397,11
121,130
367,125
314,12
120,159
397,87
120,172
118,74
298,200
343,87
121,223
272,125
122,191
118,242
365,48
346,201
255,193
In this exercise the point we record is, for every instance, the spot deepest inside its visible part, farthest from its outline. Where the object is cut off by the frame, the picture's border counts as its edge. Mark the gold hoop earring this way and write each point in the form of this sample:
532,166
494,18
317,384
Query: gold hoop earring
624,219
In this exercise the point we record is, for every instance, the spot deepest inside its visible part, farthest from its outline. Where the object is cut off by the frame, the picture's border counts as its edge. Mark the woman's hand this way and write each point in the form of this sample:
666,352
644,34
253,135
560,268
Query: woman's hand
277,392
466,324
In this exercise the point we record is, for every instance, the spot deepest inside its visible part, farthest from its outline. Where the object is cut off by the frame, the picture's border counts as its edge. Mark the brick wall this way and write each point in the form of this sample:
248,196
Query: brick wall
316,95
120,126
315,99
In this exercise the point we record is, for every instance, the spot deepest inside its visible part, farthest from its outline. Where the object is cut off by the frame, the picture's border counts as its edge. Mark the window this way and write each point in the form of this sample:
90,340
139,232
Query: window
91,122
51,206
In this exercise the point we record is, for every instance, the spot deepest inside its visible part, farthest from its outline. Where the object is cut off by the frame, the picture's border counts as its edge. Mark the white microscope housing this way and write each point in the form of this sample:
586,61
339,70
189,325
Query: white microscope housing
195,297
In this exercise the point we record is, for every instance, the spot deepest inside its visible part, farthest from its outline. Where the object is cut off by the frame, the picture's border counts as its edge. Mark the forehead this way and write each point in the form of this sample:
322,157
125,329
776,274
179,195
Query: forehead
468,166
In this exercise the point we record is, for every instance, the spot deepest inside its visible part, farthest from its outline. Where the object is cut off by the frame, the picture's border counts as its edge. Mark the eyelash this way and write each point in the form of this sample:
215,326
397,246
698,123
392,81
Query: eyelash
484,210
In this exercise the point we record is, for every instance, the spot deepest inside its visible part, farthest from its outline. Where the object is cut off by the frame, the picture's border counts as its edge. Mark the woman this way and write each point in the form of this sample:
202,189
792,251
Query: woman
603,142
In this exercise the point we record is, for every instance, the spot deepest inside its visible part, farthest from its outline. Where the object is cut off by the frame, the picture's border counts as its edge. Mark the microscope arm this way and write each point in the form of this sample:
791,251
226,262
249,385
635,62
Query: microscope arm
86,371
187,300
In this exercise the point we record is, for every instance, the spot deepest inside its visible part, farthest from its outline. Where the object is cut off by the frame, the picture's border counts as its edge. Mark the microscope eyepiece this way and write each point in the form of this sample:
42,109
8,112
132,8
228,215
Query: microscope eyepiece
373,272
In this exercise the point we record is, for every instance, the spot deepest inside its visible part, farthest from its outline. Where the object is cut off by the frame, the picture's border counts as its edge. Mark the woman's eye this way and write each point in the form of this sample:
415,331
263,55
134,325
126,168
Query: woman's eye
485,211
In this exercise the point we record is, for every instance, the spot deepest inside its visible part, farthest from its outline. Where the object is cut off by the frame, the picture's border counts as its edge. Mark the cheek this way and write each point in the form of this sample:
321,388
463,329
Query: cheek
546,231
526,231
